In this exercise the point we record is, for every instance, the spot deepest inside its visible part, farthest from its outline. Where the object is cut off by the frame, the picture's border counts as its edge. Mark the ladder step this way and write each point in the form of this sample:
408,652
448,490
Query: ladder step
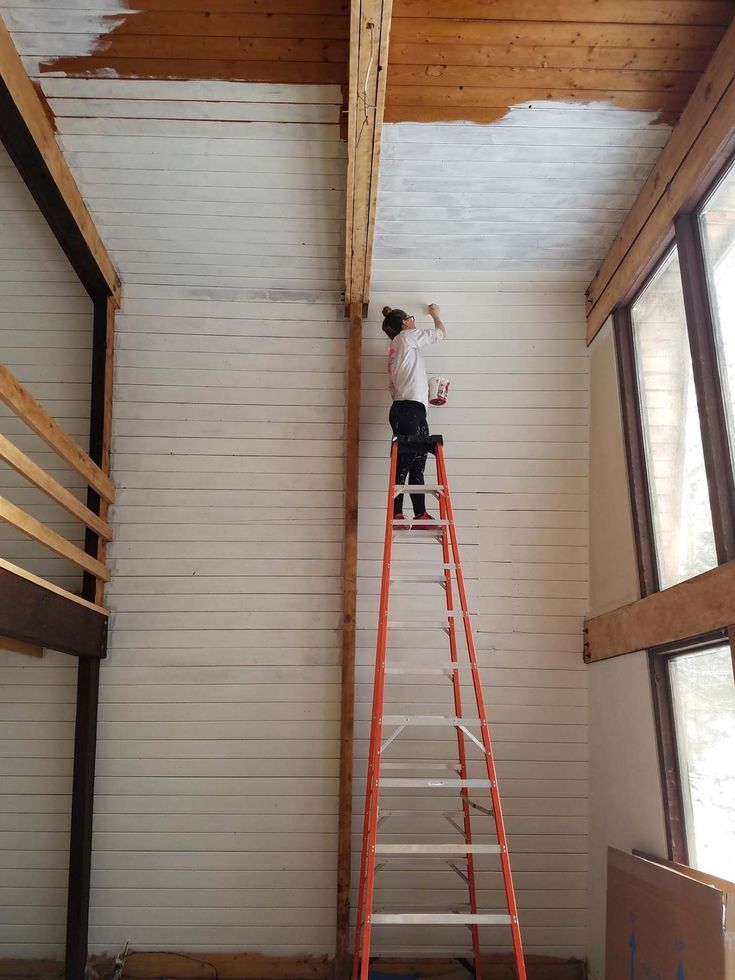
421,522
432,624
447,766
431,579
405,783
431,721
431,814
433,669
435,849
440,919
418,488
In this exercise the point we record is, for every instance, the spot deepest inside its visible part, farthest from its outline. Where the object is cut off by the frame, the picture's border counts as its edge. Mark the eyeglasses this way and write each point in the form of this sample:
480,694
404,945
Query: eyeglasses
411,317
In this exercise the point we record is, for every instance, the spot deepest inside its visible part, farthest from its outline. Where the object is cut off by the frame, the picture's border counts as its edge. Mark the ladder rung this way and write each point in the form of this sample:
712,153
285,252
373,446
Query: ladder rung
440,918
421,522
421,669
391,782
428,720
434,624
447,766
421,812
418,488
431,579
435,849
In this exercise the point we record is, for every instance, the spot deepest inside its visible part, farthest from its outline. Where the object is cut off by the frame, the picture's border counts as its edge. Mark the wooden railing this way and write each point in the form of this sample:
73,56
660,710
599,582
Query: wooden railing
29,411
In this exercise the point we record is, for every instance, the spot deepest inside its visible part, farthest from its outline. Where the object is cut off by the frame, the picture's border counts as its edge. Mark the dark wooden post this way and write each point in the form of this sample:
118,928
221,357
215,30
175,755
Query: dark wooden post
88,670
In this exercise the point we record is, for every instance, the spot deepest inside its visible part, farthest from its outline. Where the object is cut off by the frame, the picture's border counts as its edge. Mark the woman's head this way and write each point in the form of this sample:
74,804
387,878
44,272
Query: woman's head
394,321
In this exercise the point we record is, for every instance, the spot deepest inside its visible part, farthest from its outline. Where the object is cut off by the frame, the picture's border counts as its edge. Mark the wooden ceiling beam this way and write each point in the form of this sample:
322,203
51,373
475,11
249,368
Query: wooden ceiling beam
29,138
369,33
696,149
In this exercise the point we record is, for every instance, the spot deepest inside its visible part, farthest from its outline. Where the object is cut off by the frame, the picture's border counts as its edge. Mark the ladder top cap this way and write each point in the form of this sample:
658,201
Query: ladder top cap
420,442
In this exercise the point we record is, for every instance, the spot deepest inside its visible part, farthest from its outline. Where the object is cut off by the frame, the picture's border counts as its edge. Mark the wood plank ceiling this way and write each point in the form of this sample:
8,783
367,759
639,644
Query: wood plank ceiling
465,59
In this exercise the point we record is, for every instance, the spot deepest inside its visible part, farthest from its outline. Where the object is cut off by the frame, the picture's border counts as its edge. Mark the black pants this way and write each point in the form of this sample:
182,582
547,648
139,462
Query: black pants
409,419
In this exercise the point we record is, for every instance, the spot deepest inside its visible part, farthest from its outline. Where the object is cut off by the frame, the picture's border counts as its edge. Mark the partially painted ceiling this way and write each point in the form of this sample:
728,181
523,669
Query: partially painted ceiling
464,59
518,134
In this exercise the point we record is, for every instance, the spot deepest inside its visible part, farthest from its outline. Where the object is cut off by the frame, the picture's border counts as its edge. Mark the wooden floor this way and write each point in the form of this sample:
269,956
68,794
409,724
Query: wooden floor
254,966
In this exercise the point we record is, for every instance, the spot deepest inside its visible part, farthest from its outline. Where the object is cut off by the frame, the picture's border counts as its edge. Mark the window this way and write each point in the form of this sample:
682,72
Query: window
703,697
676,356
682,519
717,224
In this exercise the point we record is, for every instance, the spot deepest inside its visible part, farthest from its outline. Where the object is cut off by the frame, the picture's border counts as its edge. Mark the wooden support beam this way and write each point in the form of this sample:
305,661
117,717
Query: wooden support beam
24,405
50,587
34,529
697,149
701,605
369,33
25,466
342,960
18,646
29,138
32,612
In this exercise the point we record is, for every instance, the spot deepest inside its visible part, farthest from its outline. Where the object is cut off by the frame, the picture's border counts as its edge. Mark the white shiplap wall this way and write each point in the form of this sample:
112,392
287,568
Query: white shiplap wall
626,807
515,434
222,206
45,340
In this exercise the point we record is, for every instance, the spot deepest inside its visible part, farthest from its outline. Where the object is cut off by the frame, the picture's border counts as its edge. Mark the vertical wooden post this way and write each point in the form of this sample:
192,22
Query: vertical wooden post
88,669
347,713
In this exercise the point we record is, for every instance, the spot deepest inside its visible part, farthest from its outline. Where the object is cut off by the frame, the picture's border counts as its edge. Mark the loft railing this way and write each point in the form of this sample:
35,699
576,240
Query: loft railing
29,411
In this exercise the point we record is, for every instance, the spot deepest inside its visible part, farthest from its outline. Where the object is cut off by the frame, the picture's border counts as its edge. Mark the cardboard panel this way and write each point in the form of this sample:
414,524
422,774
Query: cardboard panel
664,924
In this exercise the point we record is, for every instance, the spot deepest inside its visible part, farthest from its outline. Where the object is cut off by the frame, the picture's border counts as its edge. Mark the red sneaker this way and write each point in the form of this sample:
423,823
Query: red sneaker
425,522
400,523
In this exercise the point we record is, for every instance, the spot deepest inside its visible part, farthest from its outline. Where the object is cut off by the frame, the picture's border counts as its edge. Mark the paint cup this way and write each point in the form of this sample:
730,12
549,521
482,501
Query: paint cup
438,391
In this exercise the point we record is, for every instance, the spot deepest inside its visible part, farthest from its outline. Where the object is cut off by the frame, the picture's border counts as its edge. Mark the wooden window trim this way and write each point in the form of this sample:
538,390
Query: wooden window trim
708,384
638,482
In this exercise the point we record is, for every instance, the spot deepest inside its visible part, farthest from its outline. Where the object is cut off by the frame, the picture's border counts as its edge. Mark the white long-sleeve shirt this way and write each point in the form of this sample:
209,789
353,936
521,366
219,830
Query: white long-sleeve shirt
406,370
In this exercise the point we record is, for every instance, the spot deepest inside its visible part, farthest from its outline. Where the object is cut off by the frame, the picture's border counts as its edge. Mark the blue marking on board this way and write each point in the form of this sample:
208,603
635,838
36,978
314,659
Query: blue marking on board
633,944
680,971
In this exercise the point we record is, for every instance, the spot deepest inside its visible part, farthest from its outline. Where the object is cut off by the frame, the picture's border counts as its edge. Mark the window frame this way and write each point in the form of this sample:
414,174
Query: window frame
686,236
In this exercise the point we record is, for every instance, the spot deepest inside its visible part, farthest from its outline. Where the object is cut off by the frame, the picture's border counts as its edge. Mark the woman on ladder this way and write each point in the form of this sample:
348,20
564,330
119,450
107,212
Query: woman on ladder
409,388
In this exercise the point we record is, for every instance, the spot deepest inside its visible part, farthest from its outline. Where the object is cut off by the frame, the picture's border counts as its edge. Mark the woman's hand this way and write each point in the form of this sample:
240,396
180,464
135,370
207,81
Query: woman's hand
434,314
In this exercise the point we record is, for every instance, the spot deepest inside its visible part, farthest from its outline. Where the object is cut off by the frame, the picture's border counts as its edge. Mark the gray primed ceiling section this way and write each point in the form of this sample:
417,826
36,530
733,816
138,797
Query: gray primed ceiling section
547,187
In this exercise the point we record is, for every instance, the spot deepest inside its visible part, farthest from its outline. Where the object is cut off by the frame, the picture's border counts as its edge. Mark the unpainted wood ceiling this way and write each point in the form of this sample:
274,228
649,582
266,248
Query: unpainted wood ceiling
449,59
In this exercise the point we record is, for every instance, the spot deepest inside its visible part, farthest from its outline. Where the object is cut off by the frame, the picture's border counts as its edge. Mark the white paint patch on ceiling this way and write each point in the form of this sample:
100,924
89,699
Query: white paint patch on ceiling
546,187
229,191
41,33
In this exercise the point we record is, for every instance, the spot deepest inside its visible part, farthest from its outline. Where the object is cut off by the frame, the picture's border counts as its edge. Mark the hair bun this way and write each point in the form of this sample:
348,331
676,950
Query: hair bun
387,310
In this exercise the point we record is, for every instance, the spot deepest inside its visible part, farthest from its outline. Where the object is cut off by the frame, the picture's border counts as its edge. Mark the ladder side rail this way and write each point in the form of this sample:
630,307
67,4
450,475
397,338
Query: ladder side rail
484,728
370,822
461,747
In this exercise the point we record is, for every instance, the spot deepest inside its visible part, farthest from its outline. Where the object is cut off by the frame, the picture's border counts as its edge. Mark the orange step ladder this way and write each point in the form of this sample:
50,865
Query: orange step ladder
478,817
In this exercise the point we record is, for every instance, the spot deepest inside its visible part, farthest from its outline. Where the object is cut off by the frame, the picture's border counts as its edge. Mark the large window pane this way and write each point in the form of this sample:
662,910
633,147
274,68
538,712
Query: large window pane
704,712
718,234
679,496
